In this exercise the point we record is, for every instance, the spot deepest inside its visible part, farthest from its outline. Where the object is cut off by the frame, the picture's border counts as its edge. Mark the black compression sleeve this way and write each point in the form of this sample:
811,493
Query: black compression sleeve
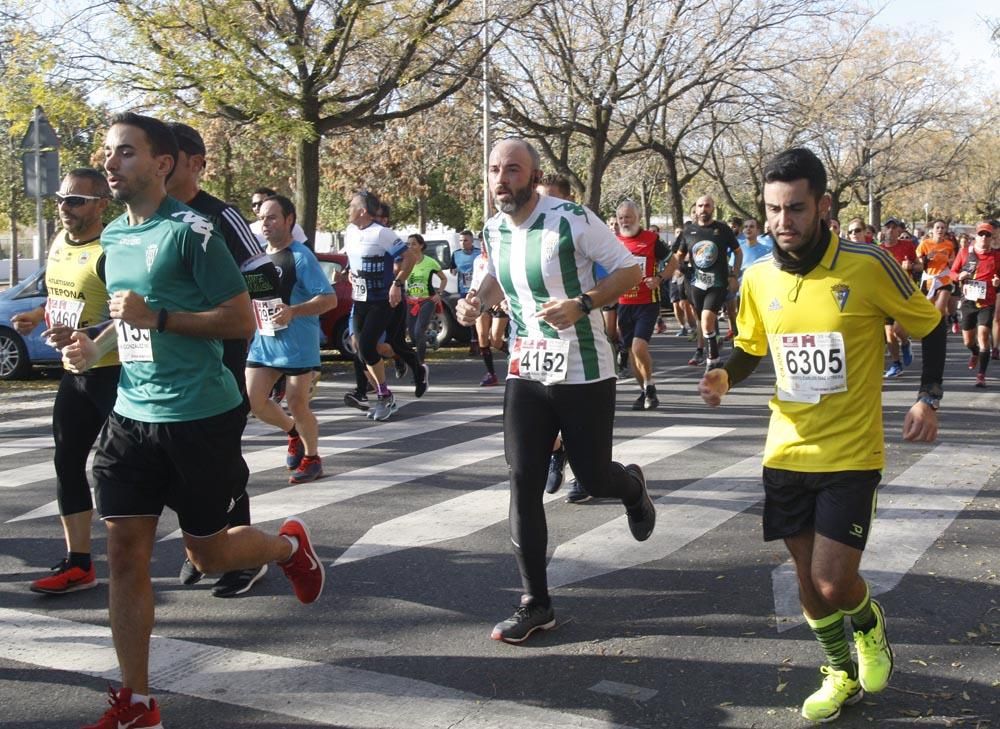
740,366
933,349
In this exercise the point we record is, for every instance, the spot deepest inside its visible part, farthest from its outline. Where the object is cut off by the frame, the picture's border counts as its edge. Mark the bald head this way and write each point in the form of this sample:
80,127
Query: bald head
704,210
513,173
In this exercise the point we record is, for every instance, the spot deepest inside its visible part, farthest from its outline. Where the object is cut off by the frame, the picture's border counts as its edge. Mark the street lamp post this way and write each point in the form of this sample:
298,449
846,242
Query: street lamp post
486,116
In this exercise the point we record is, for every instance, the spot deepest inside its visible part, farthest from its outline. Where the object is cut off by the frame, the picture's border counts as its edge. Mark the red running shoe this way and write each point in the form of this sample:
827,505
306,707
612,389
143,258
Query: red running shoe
303,569
123,714
980,380
65,579
973,361
296,450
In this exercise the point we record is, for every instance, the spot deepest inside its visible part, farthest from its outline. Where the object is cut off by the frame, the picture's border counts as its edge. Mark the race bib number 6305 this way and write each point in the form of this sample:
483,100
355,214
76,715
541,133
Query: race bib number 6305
809,365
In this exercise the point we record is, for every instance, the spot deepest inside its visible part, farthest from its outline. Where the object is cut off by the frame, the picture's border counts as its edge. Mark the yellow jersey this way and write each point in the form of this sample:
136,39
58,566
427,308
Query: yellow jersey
825,332
74,280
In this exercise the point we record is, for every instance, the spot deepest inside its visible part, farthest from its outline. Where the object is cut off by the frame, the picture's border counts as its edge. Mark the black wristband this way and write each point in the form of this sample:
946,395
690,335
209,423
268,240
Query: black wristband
585,302
161,321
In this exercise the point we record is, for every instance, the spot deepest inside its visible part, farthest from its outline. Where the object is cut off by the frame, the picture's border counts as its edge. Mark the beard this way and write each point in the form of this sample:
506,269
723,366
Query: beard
518,197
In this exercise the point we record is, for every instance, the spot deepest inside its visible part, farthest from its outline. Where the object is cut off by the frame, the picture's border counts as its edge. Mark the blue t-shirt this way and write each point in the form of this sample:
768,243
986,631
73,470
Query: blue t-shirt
464,263
752,254
296,346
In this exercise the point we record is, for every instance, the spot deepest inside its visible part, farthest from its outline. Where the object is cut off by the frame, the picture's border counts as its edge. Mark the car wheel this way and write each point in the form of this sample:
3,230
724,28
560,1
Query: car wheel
342,339
14,362
440,328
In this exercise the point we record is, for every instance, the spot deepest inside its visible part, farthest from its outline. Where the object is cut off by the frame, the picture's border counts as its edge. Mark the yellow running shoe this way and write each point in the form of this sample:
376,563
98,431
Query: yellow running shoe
837,690
874,654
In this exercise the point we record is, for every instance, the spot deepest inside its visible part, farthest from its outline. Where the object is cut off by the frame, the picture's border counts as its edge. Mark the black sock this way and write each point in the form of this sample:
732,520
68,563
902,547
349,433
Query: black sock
984,361
293,433
487,359
713,344
974,348
79,559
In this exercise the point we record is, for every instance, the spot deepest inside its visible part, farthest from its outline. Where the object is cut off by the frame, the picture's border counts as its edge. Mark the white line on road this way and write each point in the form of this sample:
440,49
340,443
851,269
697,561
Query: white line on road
914,509
306,690
468,513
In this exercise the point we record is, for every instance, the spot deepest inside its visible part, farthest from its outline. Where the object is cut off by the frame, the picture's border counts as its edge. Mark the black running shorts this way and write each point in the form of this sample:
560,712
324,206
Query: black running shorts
840,505
192,467
637,321
974,316
711,299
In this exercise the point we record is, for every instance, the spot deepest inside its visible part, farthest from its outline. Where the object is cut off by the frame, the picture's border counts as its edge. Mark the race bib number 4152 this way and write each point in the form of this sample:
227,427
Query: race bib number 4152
809,365
541,359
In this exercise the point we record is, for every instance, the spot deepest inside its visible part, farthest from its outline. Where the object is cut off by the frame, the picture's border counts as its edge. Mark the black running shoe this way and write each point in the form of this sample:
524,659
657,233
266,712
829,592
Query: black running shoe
355,400
557,465
400,368
420,387
238,582
651,401
642,516
190,575
640,402
525,621
577,494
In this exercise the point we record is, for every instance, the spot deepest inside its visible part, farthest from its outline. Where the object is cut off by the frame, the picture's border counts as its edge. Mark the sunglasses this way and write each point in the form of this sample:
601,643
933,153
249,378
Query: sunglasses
75,201
985,233
855,231
256,204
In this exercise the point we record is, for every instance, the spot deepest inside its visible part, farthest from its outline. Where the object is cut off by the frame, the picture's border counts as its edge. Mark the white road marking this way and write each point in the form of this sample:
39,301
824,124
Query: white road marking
468,513
914,509
306,690
625,690
681,517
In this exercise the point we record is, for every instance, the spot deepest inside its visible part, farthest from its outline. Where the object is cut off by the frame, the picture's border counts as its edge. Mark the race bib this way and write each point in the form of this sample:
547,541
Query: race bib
264,310
134,344
974,290
465,280
704,279
543,360
63,312
809,365
640,261
359,289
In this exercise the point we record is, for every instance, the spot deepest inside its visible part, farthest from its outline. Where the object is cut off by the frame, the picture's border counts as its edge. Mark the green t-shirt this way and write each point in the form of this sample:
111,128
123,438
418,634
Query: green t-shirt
417,285
179,262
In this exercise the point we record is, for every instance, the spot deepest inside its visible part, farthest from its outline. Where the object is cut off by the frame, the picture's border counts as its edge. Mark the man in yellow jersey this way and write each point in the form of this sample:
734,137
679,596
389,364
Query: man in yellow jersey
77,299
819,309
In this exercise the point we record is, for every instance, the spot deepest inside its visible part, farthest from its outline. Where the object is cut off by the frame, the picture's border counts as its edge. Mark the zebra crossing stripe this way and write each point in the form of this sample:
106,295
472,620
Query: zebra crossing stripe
914,510
471,512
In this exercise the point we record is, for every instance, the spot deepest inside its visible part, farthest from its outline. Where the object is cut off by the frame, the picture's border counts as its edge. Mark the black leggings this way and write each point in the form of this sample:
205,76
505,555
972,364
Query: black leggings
82,405
532,416
369,321
395,335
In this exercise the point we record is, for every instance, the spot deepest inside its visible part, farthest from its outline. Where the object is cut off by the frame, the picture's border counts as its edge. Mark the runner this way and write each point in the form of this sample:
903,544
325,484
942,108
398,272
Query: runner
422,295
561,374
463,263
976,268
286,343
819,310
174,435
936,255
77,299
491,325
905,253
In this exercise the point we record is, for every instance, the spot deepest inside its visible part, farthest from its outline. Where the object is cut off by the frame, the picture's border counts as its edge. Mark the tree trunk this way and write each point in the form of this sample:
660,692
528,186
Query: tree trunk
421,215
307,186
674,195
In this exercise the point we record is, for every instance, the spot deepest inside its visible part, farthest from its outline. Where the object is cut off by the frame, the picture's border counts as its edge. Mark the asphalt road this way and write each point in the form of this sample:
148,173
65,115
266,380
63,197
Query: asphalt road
698,627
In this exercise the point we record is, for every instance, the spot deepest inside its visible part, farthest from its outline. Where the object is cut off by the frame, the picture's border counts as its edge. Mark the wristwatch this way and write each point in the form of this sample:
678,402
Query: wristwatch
933,402
397,282
585,303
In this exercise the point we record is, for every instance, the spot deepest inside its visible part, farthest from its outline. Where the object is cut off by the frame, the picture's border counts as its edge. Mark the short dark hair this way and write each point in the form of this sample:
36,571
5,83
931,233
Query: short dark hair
468,233
797,163
935,221
98,182
286,205
559,182
370,200
384,211
188,139
161,139
419,239
736,220
264,191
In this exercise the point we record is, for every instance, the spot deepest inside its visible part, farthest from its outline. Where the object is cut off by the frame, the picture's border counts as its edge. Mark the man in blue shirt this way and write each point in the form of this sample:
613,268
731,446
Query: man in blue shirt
463,262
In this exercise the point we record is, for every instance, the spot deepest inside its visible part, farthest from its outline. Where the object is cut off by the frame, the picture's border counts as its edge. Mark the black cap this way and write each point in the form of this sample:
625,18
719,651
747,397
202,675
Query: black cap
188,139
890,221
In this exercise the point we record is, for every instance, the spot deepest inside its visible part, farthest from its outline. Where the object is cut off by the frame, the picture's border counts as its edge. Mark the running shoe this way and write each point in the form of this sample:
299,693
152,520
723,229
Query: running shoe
682,333
238,582
190,575
640,402
303,569
641,516
980,380
489,379
995,353
622,360
973,361
661,326
650,400
955,328
526,620
278,391
123,714
354,400
577,494
400,368
906,349
895,370
295,452
309,469
874,654
421,386
557,467
65,579
693,335
698,360
838,690
384,407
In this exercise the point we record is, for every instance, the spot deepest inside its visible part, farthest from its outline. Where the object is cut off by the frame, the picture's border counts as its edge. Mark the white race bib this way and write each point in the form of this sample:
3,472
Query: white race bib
134,344
974,290
704,279
543,360
63,312
809,365
359,290
263,310
640,261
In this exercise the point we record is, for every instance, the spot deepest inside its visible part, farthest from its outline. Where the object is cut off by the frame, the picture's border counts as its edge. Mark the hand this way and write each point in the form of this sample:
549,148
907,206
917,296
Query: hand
921,423
80,354
26,321
395,294
560,313
132,308
713,386
964,275
907,264
282,315
467,310
996,282
58,336
651,282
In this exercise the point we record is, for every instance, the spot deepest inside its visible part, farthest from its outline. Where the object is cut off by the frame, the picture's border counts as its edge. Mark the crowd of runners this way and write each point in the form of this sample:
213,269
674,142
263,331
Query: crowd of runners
178,320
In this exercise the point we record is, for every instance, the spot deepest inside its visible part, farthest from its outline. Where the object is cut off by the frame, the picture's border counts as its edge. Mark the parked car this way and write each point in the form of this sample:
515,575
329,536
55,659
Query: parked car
444,326
334,323
18,354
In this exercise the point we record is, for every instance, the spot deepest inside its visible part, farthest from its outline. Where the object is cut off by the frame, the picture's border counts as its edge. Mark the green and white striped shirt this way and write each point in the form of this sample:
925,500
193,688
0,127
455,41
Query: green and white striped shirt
552,256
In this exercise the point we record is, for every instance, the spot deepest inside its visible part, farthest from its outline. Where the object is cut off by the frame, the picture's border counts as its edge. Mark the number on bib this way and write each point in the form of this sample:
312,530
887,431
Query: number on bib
264,310
974,290
359,289
809,365
134,344
63,312
543,360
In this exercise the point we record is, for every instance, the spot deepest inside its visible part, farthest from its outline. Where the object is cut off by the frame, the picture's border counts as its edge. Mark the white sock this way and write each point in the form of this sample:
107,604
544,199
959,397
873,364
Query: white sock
294,541
140,699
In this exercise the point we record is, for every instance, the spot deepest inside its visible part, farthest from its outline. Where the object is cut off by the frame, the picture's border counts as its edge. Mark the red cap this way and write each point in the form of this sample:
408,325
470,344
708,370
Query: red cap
985,228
